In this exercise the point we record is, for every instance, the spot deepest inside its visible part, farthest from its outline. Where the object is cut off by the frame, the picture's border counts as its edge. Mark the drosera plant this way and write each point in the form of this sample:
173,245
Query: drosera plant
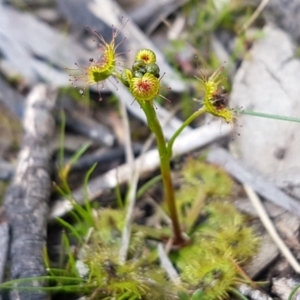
144,82
205,254
210,265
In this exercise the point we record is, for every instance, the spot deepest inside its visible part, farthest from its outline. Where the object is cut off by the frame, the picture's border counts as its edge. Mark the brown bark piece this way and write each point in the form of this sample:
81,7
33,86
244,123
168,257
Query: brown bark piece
26,201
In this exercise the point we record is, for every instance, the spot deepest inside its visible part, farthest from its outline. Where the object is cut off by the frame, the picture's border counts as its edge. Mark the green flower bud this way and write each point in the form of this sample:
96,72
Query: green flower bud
138,74
153,69
138,64
125,77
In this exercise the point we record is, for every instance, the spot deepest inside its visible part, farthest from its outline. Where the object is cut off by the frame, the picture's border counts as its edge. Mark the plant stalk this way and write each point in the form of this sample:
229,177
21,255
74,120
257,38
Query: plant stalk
165,168
187,122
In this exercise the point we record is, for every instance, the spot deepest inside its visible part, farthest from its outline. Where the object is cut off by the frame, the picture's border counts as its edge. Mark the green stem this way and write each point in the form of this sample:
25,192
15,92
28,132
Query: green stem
165,168
189,120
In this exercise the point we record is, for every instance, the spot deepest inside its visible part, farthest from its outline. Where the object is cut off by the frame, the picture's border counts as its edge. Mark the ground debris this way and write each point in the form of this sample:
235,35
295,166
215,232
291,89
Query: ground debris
26,200
268,83
284,286
248,291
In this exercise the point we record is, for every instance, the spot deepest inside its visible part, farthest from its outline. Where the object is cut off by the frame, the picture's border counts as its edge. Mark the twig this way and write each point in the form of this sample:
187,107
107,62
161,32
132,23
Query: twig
149,162
26,201
127,140
4,238
127,227
254,16
163,15
167,265
270,228
133,182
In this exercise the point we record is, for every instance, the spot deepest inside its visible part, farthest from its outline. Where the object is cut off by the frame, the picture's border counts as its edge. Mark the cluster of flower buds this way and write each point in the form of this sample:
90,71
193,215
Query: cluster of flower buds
143,79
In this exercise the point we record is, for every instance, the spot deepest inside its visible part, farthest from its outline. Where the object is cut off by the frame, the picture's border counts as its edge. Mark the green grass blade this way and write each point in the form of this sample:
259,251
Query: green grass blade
293,292
119,199
13,283
148,185
74,158
70,227
269,116
89,215
71,264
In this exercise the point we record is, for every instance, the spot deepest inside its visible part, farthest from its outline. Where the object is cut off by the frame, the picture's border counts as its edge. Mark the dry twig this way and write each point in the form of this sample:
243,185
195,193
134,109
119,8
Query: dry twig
167,265
254,16
4,238
133,182
271,228
26,201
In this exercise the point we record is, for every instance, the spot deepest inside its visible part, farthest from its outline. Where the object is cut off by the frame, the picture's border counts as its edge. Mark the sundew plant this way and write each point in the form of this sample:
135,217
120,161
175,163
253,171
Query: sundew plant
143,80
207,255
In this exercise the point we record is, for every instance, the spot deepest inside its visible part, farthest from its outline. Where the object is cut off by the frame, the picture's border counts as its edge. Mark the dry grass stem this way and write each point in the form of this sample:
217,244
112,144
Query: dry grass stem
263,215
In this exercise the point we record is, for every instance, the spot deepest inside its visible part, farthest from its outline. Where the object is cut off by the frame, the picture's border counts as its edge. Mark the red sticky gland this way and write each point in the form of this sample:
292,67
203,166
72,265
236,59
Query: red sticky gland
115,34
117,31
164,88
103,43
